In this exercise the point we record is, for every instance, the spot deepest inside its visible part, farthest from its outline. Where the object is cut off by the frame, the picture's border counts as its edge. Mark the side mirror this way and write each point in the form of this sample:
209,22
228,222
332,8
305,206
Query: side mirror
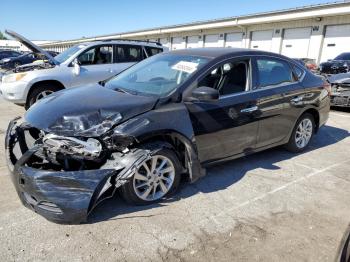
76,67
206,94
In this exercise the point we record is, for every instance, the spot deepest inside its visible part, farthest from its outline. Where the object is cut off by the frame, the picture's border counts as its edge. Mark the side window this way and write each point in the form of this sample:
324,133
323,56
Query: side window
273,72
151,51
97,55
298,72
229,78
127,53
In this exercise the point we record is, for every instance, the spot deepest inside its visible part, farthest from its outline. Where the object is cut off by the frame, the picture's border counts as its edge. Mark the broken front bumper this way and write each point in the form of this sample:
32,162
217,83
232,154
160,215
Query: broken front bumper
65,196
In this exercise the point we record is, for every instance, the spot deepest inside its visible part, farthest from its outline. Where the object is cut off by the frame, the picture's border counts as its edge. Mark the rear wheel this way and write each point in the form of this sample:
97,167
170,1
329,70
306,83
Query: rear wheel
154,179
40,92
302,133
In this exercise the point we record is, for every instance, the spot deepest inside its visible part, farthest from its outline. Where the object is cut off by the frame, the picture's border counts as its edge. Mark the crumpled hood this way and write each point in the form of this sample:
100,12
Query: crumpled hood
343,78
86,111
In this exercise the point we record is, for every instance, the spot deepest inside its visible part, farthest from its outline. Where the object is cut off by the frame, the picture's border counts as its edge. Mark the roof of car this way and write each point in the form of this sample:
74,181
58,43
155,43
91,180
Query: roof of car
214,52
121,41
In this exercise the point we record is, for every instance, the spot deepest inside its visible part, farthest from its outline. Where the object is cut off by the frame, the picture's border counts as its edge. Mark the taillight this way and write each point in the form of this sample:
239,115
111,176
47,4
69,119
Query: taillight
328,87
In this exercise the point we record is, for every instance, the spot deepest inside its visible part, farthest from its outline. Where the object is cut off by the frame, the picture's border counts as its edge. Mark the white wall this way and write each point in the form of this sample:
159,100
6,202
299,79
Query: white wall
271,36
15,45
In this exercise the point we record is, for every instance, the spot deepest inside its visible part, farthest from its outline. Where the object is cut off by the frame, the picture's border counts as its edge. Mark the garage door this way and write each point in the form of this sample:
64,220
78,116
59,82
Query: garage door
193,41
211,41
234,40
165,42
296,42
336,41
262,40
178,43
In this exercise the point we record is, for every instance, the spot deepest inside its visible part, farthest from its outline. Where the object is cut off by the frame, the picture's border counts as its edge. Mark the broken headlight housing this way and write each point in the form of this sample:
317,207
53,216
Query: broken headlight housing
88,125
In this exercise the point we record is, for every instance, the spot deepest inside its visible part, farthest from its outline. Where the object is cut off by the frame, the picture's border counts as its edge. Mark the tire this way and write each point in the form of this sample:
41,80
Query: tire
133,195
35,93
296,145
16,64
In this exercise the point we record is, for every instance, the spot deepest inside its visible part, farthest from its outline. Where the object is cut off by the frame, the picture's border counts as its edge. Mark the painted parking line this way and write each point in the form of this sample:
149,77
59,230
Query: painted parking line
269,193
341,115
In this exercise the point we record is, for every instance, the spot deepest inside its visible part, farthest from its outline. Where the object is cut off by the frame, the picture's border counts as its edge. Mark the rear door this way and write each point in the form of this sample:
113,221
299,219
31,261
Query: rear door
228,126
278,92
126,56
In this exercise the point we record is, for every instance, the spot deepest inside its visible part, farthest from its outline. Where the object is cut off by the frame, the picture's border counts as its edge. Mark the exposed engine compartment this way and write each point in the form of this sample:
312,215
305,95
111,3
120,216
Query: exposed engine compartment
64,153
32,67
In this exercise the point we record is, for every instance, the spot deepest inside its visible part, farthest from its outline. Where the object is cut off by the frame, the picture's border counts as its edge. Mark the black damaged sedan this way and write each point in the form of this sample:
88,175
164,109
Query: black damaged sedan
166,117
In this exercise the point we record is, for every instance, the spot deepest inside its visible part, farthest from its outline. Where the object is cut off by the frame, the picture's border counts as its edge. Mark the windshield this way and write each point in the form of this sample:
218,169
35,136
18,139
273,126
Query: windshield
158,75
343,56
68,53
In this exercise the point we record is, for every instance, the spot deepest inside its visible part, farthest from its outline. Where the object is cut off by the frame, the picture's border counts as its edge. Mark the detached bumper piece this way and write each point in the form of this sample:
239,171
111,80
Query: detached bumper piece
65,197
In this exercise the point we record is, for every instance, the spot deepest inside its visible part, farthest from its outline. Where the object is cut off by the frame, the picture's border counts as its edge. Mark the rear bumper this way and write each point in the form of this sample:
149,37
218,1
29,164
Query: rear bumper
65,197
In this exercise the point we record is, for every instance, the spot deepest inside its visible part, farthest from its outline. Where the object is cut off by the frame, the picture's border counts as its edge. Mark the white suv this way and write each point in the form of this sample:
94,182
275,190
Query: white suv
81,64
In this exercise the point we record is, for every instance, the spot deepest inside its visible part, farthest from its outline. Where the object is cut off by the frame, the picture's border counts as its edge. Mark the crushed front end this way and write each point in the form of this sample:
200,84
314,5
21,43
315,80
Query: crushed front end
63,178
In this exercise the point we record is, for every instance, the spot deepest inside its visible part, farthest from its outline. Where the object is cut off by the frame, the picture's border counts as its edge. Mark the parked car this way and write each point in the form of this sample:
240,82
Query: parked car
79,65
169,115
13,62
26,58
340,64
308,63
6,53
340,90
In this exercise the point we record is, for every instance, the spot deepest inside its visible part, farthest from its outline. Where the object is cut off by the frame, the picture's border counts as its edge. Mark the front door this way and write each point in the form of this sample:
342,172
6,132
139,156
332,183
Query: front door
96,64
228,126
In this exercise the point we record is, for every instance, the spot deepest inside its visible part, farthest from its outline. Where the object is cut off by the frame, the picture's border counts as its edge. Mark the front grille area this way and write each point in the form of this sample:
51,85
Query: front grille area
340,101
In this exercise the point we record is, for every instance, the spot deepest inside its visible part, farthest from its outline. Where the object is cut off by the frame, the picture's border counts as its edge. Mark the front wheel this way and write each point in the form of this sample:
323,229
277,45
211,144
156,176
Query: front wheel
39,93
302,133
154,179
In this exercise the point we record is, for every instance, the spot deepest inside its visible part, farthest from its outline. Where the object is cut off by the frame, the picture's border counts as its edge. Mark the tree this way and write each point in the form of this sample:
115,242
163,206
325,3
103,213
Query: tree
2,37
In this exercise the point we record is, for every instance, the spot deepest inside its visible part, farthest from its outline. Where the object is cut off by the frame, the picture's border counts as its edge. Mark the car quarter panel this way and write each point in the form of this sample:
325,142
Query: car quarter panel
166,120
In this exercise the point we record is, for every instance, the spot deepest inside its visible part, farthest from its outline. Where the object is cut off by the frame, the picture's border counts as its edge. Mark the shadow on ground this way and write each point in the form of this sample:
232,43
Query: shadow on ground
219,177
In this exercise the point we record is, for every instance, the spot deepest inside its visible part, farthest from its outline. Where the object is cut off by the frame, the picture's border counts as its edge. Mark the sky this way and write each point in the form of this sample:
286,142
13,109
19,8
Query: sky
69,19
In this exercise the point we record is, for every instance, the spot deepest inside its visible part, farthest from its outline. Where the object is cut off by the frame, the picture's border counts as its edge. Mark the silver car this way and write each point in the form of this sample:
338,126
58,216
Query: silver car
81,64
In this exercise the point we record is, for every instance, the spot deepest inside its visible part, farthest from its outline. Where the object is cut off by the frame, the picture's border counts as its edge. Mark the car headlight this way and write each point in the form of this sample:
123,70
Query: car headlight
89,125
5,60
13,77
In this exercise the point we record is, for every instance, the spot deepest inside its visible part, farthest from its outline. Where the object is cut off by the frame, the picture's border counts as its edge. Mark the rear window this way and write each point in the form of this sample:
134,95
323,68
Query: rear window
128,53
151,51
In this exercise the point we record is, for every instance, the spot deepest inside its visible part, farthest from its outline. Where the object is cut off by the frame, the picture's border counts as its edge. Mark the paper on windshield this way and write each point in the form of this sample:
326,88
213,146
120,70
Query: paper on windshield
184,66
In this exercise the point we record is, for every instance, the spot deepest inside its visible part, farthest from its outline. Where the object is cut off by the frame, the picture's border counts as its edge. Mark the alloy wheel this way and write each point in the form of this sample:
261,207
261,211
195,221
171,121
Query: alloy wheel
303,133
43,94
154,178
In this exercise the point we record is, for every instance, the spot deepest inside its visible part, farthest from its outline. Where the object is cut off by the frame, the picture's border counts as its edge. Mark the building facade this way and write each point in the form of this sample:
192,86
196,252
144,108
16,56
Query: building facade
319,32
17,46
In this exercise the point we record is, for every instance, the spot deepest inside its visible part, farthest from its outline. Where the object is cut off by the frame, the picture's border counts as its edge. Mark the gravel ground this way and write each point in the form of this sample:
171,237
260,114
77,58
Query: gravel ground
272,206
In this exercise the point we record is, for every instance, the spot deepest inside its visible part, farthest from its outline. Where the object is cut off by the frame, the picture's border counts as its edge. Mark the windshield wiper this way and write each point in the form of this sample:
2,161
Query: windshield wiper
119,89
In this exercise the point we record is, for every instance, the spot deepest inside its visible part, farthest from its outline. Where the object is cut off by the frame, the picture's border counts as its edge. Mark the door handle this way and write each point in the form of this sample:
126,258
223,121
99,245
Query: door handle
249,109
297,99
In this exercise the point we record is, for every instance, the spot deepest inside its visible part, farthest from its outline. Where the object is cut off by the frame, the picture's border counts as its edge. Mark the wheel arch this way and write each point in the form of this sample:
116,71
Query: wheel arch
57,83
316,116
185,149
